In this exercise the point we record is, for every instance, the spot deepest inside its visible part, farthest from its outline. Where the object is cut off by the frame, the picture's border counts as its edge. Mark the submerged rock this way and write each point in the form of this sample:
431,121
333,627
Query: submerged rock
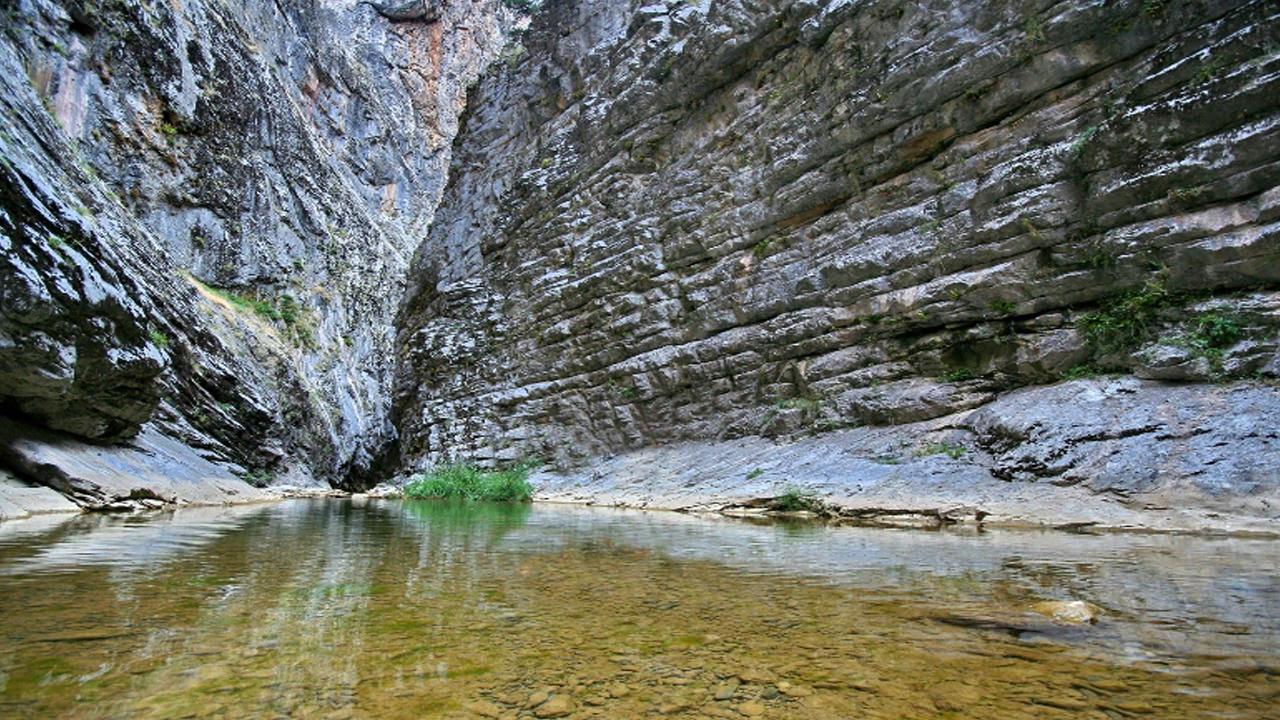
1073,612
554,707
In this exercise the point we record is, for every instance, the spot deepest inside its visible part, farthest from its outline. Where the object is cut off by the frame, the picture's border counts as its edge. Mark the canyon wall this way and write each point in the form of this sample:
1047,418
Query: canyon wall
909,253
208,211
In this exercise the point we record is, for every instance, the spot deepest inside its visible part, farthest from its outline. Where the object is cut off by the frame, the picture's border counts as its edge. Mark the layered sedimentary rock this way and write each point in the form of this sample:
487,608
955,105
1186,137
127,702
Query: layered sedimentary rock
691,224
206,216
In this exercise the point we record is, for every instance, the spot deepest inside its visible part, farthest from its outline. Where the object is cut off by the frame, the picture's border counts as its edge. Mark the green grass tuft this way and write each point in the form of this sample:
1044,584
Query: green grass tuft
1210,336
1080,372
158,338
1123,321
959,375
793,499
468,482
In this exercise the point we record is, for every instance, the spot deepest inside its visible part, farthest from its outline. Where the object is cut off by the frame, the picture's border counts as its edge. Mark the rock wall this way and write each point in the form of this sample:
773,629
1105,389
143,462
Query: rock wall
674,222
207,212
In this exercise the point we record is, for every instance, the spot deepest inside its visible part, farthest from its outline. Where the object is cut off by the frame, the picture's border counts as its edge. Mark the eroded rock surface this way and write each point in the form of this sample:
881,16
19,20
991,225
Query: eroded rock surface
684,230
206,214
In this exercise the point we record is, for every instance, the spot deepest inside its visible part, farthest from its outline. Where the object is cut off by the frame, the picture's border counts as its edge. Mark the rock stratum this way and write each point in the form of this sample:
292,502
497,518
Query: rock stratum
1014,261
907,256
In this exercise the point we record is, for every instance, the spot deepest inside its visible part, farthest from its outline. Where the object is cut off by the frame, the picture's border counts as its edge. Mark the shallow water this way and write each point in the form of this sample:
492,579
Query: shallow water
335,609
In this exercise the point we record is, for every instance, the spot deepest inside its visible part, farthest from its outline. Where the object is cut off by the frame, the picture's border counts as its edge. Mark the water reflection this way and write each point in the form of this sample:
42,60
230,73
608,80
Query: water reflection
388,609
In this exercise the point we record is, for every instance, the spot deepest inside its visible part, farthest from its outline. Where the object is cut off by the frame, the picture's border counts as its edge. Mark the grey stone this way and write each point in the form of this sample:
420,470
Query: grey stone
686,241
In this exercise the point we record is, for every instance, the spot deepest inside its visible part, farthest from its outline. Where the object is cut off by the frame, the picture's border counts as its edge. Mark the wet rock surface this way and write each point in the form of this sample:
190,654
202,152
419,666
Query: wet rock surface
684,240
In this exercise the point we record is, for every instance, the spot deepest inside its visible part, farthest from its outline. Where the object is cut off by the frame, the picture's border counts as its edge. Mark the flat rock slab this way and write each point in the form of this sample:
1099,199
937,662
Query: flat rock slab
151,471
19,499
1105,453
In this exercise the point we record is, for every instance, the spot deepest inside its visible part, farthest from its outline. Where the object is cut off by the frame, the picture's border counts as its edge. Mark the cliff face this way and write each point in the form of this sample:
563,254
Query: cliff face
208,210
883,227
900,254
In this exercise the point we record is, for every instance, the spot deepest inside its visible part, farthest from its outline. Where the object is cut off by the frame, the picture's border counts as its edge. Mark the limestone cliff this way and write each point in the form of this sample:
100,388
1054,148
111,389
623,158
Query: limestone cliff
897,252
208,210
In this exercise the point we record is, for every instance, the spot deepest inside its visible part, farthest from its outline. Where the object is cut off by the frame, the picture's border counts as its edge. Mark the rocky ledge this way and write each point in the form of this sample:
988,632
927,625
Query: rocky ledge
1115,453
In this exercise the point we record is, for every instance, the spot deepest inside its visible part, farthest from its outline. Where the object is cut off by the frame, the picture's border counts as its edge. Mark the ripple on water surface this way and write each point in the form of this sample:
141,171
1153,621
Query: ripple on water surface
334,609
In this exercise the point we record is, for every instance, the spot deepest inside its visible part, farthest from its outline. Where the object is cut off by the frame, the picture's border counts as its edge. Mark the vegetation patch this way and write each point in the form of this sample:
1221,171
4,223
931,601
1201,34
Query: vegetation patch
463,481
1081,372
260,478
158,338
285,310
1003,307
951,450
808,404
1124,321
1210,335
793,499
959,375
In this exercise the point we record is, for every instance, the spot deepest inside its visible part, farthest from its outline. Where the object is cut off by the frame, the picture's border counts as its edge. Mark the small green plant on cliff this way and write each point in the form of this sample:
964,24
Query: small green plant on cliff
260,478
462,481
1207,72
959,375
808,404
1080,372
1033,30
1003,307
285,309
1210,335
1078,145
158,338
951,450
1122,322
626,392
793,499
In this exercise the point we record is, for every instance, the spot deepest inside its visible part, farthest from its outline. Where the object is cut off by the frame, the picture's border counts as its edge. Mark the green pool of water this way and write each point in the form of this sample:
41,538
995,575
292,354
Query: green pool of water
339,609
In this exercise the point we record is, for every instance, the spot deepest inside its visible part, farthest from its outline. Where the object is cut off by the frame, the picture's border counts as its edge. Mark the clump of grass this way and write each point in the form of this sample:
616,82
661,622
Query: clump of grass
463,481
1080,372
158,338
285,309
951,450
755,473
260,478
1122,322
793,499
1210,335
959,375
1003,307
626,392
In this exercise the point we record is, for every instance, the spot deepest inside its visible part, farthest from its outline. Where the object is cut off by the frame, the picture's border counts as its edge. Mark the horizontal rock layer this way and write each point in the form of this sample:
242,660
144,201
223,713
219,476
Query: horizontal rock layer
701,221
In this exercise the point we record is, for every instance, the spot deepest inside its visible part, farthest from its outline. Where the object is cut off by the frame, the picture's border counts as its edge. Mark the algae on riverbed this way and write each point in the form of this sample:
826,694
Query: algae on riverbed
416,609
